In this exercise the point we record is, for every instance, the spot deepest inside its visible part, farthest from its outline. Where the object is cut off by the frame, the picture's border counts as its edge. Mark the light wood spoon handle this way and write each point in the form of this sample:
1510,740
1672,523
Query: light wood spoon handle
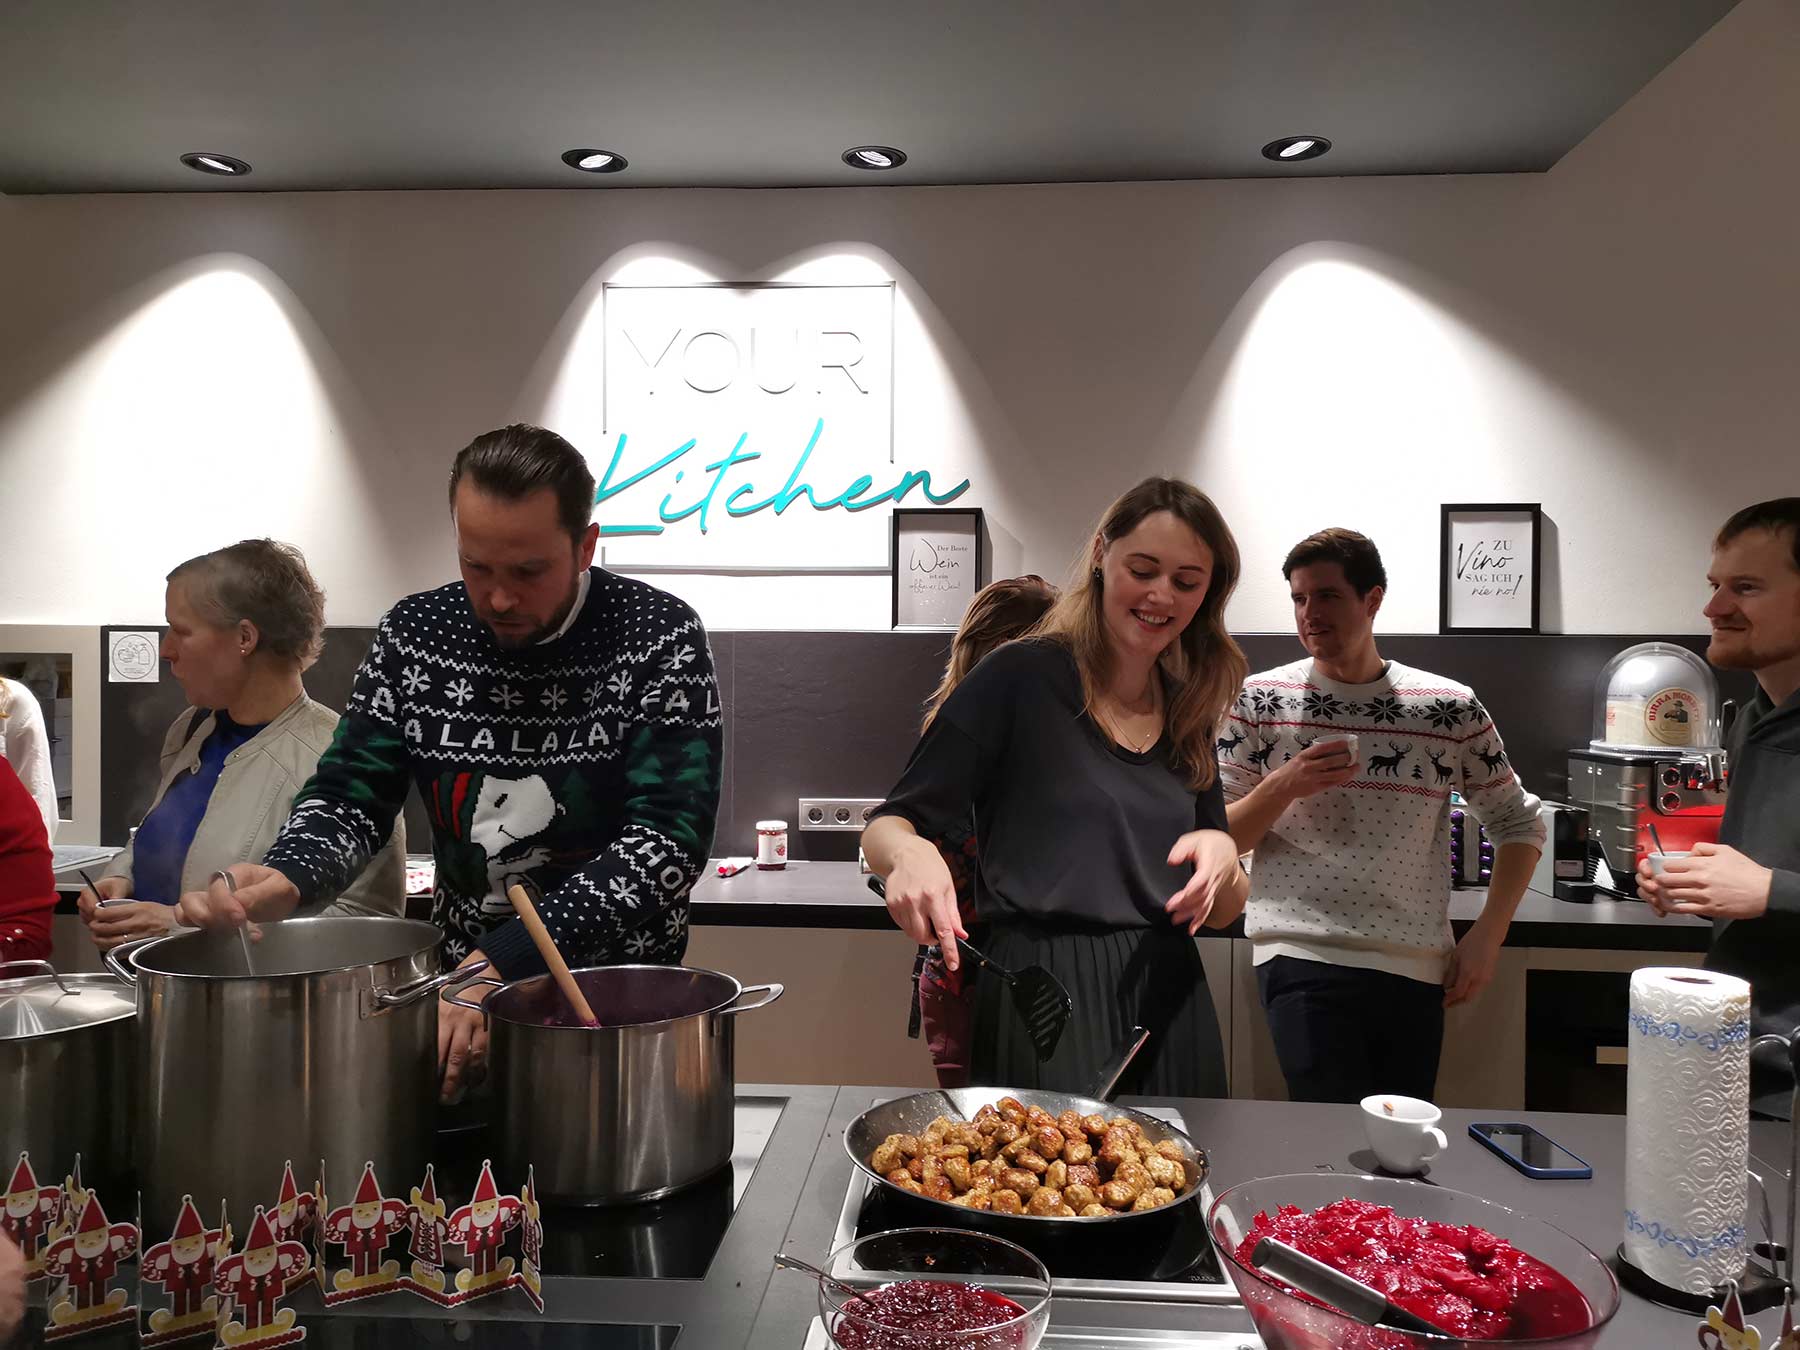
559,968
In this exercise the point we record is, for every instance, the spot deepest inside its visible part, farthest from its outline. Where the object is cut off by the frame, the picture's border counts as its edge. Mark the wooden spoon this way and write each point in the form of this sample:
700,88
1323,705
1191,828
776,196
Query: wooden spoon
559,968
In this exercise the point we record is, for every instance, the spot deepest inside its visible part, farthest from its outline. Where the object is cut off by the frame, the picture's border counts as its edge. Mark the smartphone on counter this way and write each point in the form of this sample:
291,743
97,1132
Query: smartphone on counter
1531,1151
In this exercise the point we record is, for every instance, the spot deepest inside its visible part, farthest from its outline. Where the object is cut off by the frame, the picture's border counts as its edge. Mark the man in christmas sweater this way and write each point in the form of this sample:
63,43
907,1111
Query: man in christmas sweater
1350,883
559,721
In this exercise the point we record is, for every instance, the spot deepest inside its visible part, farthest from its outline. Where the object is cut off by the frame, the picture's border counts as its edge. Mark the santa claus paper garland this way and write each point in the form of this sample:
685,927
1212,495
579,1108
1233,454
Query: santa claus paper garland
194,1287
364,1230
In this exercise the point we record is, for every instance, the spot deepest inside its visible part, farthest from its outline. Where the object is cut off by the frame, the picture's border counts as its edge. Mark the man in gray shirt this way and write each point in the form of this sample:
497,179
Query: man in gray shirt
1748,883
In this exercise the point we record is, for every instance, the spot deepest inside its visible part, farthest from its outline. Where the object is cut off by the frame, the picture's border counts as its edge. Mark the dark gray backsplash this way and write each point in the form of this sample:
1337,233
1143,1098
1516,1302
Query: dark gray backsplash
836,714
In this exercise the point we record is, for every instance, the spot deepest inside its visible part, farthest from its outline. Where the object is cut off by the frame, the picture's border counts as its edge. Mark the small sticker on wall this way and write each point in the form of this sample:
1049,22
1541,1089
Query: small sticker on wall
131,658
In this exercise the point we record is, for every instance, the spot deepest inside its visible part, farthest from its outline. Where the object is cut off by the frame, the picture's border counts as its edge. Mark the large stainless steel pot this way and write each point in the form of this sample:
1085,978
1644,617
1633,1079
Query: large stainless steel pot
327,1052
633,1109
67,1054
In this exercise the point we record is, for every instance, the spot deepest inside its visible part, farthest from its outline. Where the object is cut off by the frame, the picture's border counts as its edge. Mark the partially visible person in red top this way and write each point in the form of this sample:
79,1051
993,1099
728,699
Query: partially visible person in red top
27,883
943,998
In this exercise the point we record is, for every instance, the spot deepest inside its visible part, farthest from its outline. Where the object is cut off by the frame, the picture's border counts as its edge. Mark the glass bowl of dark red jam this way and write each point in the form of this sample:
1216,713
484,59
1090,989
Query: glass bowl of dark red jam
1486,1274
936,1289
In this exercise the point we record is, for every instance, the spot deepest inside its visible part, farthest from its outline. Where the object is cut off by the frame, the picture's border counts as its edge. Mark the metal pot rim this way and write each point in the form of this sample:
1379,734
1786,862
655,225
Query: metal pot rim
428,935
498,1014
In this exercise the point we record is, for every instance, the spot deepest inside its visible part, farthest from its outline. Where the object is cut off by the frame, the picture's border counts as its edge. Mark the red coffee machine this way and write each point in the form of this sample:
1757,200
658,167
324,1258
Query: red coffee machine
1655,760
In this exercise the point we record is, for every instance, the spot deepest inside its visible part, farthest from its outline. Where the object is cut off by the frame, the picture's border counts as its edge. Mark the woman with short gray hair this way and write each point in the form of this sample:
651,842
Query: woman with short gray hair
244,624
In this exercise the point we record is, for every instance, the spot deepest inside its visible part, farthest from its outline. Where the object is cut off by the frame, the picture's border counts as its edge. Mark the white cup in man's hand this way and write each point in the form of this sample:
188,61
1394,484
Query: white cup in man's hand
1346,740
1403,1131
1660,860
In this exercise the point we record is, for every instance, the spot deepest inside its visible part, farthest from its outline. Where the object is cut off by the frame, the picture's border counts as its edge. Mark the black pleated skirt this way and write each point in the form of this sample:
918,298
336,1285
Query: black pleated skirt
1118,978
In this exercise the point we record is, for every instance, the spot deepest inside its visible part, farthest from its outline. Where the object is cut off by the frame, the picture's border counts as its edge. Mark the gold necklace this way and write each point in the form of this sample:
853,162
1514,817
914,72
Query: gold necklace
1131,744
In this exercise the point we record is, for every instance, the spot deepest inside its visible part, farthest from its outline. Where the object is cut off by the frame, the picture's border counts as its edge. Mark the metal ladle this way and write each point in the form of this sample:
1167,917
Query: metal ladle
243,931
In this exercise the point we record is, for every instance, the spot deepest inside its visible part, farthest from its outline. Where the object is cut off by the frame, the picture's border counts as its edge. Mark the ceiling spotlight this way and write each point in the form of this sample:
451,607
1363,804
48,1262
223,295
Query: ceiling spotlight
874,157
1293,149
594,161
226,166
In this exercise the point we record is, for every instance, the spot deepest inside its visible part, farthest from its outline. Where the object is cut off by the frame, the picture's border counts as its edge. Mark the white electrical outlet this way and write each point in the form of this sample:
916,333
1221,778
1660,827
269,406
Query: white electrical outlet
836,813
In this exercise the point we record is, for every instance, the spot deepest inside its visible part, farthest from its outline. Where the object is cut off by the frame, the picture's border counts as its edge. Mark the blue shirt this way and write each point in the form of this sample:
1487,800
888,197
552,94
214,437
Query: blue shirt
161,847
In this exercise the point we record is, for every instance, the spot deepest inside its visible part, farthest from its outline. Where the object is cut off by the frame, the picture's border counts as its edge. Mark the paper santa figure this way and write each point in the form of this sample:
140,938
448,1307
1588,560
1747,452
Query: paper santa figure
29,1214
86,1261
1725,1328
1790,1338
183,1268
479,1228
363,1229
74,1200
429,1230
294,1211
531,1240
256,1281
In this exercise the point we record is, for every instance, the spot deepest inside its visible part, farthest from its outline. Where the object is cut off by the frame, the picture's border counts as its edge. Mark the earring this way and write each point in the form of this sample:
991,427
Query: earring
1096,574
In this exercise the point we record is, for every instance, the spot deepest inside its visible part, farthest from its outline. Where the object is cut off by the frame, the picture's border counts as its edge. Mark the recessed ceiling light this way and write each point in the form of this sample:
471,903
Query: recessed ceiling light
1293,149
594,161
876,157
226,166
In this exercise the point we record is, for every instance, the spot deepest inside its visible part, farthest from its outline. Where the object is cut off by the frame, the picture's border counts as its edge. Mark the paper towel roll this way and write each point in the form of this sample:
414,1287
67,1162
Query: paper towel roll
1687,1127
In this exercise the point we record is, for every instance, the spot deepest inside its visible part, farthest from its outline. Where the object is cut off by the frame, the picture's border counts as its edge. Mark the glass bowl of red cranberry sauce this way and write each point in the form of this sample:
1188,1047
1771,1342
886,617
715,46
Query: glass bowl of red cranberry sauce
935,1289
1486,1274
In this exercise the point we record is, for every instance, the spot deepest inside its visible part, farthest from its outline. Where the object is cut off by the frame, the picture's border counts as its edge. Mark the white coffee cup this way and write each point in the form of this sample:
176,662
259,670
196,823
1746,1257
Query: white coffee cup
1403,1131
1347,739
1660,860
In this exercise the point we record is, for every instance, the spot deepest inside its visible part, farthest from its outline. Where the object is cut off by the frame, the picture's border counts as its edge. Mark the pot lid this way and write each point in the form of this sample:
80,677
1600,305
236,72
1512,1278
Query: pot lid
41,1004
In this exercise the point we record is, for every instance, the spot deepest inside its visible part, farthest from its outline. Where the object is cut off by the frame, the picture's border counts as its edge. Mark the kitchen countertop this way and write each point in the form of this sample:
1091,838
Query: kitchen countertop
837,895
1252,1139
795,1195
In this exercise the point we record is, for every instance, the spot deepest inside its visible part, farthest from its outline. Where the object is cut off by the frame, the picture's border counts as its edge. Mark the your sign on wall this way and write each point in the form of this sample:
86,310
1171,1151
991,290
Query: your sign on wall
751,425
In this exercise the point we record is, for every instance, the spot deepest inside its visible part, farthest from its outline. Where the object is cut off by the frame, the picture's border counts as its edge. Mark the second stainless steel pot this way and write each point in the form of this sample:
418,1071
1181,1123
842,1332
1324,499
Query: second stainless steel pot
633,1109
67,1058
327,1052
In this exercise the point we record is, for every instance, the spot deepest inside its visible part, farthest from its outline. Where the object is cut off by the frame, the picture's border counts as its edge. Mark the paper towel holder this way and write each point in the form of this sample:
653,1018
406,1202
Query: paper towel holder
1759,1289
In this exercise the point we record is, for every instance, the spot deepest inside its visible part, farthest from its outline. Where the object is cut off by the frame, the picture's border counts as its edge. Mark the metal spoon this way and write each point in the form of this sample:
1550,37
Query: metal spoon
784,1261
1346,1293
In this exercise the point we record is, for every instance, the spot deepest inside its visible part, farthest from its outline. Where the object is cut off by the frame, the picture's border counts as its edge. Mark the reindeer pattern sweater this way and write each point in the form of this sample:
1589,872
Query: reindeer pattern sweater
1360,875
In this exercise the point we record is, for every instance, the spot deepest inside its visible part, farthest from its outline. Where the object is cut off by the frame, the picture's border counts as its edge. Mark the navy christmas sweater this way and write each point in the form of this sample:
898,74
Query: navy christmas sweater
589,763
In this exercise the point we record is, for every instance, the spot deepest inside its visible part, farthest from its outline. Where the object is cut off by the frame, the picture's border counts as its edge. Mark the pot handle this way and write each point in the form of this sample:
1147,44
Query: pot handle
42,968
115,957
461,1002
408,994
774,991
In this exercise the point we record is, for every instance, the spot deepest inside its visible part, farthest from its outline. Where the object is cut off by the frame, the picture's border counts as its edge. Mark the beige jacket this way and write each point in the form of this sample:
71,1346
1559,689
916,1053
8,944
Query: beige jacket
253,796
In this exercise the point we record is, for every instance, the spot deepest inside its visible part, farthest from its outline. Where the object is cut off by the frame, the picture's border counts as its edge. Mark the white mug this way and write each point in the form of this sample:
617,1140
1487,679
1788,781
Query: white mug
1347,739
1403,1131
1659,860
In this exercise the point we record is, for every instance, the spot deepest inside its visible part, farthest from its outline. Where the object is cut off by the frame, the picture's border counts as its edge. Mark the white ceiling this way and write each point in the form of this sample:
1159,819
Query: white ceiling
104,95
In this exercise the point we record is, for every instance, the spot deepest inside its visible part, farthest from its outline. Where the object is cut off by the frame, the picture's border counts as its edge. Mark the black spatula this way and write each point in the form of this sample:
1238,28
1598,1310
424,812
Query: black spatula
1038,996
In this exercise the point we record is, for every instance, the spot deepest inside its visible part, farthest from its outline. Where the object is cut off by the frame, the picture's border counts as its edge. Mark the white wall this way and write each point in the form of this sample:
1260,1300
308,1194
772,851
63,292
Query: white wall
1616,338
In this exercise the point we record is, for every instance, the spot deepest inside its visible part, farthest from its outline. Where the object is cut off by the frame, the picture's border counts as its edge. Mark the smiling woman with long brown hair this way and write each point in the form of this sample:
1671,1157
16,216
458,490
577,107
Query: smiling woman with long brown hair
1085,755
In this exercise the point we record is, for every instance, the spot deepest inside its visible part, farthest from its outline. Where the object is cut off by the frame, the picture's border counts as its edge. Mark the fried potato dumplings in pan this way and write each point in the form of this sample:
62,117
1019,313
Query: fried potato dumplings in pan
1017,1159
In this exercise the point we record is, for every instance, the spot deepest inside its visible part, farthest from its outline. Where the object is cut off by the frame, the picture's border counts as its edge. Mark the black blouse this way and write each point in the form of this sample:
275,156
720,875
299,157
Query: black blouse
1070,824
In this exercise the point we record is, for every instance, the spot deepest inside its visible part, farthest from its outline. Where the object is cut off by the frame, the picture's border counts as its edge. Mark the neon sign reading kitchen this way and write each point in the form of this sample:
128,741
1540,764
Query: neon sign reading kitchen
851,499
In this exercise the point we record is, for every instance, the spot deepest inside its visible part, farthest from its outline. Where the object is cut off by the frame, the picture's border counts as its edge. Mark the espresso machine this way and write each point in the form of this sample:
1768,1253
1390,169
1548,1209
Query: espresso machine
1656,760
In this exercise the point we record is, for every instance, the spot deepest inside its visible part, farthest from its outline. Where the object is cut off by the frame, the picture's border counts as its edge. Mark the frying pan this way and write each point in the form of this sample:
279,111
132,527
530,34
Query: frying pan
1093,1245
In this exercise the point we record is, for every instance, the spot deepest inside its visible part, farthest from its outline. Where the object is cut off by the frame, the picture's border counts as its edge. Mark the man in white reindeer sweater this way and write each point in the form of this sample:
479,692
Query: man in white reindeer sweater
1350,884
